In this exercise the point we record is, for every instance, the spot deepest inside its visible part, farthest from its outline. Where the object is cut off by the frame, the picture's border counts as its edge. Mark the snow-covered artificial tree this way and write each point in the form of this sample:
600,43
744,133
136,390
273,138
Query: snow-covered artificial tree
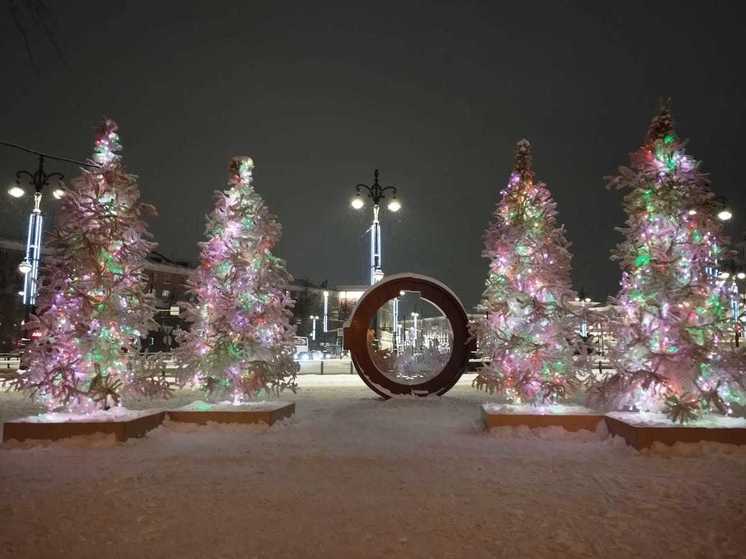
93,307
672,352
527,331
241,343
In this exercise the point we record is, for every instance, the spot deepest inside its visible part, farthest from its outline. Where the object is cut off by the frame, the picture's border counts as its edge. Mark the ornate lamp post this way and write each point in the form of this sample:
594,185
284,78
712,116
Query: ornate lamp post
377,194
29,267
39,180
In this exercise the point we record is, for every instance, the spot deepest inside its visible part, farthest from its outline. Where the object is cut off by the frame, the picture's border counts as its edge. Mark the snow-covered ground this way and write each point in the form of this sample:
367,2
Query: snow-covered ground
354,476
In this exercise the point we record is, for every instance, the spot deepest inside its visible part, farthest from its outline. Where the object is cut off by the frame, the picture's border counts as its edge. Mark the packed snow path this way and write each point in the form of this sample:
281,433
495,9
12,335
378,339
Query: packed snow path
354,476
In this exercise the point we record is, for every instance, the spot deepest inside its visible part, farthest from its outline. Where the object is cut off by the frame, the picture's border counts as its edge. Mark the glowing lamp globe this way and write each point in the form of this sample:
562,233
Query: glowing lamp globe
357,202
58,193
16,191
394,205
24,267
741,275
725,215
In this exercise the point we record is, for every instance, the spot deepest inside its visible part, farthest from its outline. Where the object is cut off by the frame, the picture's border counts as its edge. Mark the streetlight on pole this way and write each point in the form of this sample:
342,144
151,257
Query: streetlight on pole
377,194
313,318
39,179
30,265
731,271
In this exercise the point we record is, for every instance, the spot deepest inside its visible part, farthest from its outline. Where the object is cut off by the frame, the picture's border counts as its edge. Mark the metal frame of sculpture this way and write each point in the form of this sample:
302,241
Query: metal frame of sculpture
433,291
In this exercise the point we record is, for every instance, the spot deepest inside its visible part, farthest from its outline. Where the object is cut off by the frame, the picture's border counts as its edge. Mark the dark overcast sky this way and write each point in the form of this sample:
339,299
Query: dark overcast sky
433,94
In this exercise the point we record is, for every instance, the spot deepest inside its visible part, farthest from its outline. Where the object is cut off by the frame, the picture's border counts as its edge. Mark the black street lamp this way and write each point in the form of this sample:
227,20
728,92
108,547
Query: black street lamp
377,194
39,180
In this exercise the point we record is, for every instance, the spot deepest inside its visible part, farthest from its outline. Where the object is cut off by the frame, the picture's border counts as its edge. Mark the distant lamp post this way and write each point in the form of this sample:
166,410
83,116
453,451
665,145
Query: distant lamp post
377,194
415,315
326,311
583,302
313,318
724,211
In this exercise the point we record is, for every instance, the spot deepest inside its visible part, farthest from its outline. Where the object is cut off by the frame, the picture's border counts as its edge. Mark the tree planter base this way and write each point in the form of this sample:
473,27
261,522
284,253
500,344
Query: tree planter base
268,414
570,418
640,435
122,429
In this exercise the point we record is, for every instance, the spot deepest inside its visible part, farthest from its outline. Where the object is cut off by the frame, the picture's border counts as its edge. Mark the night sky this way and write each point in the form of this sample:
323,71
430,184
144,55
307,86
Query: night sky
433,94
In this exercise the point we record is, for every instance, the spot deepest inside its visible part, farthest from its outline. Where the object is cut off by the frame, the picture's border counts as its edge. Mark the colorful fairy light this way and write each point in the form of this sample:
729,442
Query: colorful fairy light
673,308
93,306
240,339
526,331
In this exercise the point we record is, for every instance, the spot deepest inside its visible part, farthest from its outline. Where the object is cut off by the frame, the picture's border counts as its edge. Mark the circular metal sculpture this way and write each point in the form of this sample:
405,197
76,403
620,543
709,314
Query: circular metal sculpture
356,335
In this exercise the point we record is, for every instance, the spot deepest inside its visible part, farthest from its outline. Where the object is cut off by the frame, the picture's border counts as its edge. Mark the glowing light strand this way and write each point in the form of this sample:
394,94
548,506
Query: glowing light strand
241,343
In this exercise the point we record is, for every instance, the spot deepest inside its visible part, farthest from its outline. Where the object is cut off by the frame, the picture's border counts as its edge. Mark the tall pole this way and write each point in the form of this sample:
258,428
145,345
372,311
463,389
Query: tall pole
376,270
39,179
396,322
29,267
414,330
377,194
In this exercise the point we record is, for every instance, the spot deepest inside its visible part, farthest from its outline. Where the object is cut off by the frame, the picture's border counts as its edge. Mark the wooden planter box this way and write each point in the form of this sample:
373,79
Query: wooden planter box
568,421
20,430
643,436
266,414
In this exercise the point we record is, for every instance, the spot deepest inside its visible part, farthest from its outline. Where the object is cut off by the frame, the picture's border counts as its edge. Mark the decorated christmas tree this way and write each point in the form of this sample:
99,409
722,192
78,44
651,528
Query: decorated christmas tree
93,307
527,332
672,351
241,343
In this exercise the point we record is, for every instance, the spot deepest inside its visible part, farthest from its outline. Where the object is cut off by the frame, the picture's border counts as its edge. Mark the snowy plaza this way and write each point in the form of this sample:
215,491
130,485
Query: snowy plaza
353,476
350,280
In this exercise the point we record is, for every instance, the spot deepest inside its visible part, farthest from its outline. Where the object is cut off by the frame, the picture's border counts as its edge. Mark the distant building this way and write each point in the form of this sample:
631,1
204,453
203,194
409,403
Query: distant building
167,282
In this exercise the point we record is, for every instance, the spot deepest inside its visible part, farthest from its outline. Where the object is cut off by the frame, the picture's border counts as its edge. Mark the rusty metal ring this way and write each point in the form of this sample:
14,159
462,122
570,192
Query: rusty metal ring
356,329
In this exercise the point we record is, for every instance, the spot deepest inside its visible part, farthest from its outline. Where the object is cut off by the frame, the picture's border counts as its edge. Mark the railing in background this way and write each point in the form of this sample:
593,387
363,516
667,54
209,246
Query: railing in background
9,361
